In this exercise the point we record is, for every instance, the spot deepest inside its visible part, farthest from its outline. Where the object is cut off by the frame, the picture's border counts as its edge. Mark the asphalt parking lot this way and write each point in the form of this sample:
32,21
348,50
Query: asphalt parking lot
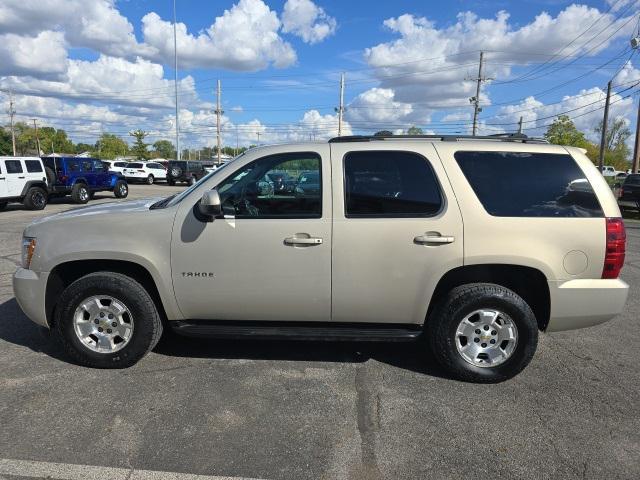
314,410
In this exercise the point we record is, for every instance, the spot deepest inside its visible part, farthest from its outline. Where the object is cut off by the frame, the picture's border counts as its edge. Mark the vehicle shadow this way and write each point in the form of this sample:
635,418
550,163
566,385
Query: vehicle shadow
412,356
17,329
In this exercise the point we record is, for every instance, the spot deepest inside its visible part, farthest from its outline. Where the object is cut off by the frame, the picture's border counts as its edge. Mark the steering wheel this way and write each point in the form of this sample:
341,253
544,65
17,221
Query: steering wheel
241,205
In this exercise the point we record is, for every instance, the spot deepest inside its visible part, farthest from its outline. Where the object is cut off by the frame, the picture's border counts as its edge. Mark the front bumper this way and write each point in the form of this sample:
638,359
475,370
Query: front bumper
29,288
584,303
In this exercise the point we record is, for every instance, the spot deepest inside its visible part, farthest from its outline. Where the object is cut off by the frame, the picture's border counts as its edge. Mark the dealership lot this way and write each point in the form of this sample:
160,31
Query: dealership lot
314,410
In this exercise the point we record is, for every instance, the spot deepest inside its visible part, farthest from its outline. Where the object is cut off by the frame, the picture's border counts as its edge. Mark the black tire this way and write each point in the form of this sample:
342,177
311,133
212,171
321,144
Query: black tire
145,317
51,176
3,205
192,180
80,193
150,180
121,189
442,325
170,182
35,199
92,195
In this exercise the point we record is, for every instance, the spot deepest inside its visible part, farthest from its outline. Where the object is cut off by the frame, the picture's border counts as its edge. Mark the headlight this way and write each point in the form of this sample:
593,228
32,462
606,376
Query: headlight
28,249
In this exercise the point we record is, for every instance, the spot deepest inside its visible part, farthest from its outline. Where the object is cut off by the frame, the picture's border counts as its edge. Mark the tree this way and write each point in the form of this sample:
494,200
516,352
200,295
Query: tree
83,147
54,140
383,133
616,150
6,147
164,149
110,146
139,148
564,132
414,131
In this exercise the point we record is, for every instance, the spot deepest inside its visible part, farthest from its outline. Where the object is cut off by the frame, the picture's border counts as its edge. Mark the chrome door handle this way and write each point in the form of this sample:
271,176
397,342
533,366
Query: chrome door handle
433,239
302,241
21,177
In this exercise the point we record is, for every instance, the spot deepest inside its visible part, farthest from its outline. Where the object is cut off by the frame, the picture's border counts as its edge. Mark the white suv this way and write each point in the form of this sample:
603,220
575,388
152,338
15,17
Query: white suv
147,172
475,244
23,180
115,166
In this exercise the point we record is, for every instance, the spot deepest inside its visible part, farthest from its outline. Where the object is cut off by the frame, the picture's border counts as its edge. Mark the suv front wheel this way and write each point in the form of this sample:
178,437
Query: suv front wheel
483,333
107,320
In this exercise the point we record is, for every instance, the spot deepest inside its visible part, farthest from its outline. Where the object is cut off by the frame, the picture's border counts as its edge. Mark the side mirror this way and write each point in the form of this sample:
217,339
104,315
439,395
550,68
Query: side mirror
209,206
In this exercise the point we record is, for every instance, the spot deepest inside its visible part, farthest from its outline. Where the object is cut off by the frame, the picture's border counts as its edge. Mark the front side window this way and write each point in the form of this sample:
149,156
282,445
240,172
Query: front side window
390,184
33,166
13,166
134,165
87,166
266,188
73,165
520,184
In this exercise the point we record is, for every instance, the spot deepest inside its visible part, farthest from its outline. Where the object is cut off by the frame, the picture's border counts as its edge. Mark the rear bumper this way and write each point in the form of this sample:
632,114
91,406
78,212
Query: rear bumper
29,288
584,303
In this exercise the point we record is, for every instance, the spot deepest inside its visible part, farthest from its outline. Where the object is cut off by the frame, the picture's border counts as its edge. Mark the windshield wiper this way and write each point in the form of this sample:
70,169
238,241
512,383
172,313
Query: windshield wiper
162,203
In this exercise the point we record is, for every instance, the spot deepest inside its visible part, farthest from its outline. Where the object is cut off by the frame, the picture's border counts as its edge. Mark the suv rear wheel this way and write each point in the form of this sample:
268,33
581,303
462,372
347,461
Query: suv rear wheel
150,180
35,199
80,193
483,333
107,320
121,189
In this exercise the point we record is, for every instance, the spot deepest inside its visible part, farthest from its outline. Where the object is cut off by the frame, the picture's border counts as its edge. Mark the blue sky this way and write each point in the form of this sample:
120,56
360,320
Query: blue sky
101,66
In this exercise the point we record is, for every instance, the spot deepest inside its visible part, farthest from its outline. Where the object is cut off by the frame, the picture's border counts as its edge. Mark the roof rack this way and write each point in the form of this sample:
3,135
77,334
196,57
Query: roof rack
498,137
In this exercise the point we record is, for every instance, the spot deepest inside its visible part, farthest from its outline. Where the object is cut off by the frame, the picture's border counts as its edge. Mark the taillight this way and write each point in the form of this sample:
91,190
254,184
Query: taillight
615,249
621,192
62,177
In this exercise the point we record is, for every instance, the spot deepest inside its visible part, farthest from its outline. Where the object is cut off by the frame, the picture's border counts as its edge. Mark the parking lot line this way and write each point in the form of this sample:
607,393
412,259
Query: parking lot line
66,471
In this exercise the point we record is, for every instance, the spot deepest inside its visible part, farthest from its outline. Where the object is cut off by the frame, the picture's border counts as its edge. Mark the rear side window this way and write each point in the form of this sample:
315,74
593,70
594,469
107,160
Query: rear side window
517,184
13,166
134,165
119,164
33,166
390,184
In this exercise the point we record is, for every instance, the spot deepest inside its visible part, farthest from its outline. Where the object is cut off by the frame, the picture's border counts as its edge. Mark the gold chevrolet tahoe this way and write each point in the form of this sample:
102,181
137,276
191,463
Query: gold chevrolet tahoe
471,245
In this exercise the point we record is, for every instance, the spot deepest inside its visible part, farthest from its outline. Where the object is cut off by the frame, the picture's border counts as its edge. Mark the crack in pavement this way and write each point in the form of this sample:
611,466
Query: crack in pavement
368,421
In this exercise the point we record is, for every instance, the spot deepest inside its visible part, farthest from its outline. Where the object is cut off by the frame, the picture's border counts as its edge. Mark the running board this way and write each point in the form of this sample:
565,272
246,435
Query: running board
351,332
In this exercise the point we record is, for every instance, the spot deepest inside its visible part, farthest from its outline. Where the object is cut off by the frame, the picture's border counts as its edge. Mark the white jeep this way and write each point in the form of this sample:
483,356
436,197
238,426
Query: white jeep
23,180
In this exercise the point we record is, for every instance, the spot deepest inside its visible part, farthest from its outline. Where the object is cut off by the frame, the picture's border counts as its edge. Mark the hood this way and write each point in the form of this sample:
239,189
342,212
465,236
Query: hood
126,207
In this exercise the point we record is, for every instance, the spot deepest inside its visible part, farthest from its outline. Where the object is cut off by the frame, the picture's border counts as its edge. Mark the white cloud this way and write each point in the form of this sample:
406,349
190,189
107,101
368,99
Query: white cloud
43,55
377,105
427,66
140,83
95,24
245,38
585,108
307,20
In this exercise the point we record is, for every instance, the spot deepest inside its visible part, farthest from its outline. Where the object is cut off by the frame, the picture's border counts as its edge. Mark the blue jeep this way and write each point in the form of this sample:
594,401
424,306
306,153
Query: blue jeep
82,178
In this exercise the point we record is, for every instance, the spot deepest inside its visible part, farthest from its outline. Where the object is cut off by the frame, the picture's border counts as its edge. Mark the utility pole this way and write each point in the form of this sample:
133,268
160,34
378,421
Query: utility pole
258,133
175,81
12,112
520,126
475,101
340,109
35,125
605,122
236,152
636,148
218,113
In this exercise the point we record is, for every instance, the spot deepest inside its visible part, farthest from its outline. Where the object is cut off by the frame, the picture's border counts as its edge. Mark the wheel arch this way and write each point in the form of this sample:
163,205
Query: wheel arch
528,282
34,183
62,275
